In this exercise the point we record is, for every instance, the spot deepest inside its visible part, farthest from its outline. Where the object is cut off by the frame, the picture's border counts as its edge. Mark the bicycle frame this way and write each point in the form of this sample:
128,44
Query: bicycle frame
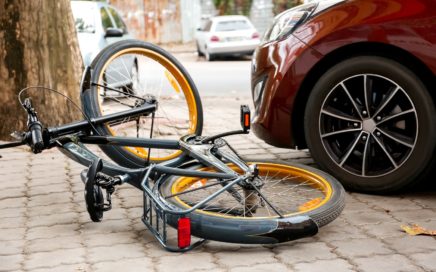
70,139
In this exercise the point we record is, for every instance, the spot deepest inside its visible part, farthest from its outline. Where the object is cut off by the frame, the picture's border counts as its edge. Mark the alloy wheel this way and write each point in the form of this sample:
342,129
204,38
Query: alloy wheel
368,125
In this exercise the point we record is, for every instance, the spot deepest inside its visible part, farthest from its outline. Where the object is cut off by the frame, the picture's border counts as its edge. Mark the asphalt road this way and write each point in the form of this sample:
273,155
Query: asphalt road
223,77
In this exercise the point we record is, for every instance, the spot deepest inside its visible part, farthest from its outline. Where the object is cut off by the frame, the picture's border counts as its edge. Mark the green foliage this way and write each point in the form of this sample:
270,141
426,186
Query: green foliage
242,7
231,7
282,5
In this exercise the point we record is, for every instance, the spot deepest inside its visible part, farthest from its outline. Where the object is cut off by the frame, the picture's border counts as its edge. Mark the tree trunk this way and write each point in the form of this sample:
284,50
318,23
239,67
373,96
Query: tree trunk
38,46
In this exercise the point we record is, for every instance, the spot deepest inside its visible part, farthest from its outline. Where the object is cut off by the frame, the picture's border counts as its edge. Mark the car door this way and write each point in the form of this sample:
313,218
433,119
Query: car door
203,35
108,22
119,23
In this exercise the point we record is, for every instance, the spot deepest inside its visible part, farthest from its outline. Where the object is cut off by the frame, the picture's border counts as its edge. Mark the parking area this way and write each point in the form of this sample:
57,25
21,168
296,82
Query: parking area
44,225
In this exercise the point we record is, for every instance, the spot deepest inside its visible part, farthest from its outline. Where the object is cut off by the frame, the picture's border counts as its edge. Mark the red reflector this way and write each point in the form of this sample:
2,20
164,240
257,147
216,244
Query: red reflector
255,35
184,232
214,39
247,120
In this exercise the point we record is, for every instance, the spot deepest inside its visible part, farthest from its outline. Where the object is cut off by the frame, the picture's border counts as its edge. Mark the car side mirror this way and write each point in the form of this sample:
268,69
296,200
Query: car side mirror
113,32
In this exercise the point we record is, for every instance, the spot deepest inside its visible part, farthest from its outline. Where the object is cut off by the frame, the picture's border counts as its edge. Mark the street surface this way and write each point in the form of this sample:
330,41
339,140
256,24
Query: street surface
44,225
223,77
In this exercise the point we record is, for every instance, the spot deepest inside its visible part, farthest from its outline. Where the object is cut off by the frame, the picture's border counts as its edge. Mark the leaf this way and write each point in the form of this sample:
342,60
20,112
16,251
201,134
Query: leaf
417,230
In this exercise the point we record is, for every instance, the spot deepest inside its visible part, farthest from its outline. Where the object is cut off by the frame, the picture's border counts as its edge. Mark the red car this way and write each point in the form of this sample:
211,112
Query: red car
354,81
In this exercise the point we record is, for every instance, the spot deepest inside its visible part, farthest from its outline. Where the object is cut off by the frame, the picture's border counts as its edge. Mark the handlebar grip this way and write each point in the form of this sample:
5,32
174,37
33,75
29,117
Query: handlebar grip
37,141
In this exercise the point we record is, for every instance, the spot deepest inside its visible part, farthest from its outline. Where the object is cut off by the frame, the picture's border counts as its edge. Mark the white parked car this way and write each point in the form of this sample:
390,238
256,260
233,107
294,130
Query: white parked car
227,35
98,24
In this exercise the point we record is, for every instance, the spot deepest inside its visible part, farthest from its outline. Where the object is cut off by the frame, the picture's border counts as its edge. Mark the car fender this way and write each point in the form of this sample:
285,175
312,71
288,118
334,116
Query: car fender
365,21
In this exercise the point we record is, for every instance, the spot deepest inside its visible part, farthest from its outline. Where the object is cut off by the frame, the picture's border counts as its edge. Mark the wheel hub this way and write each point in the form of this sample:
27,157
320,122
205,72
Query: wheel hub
369,125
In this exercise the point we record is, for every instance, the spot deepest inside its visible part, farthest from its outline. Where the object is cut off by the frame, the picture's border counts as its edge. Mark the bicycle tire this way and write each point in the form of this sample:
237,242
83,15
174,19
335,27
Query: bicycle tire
158,67
252,230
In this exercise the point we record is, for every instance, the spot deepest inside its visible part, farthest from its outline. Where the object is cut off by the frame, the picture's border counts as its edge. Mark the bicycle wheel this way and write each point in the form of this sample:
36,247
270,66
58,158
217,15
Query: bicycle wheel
129,70
293,190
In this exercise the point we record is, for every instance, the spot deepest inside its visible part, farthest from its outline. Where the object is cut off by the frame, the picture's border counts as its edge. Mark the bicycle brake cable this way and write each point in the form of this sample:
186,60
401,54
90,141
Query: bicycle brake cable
61,94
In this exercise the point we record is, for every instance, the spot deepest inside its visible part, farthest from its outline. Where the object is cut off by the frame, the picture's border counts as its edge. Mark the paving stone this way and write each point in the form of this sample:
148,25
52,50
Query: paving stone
114,214
395,204
276,267
106,226
337,231
131,265
11,262
108,239
51,244
116,252
52,231
55,258
384,230
13,247
8,203
11,213
132,202
12,193
412,244
53,219
246,257
426,260
44,181
50,199
415,215
325,266
81,267
12,222
48,189
360,247
186,262
298,252
51,209
12,234
367,218
391,263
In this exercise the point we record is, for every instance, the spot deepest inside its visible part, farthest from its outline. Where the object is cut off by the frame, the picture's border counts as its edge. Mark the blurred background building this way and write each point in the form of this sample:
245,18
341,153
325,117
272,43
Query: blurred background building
168,21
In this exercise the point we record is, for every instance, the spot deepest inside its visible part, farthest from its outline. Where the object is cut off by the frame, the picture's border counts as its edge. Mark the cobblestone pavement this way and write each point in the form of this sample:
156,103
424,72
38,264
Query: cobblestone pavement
44,225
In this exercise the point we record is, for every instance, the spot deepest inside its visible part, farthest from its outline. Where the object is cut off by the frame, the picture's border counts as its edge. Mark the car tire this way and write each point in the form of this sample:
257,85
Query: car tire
199,53
209,56
369,121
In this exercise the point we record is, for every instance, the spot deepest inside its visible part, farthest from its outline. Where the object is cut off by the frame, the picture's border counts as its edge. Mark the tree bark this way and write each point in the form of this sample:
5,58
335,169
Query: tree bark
38,46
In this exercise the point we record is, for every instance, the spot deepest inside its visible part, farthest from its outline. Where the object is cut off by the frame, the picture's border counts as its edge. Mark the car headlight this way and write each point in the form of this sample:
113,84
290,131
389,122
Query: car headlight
286,22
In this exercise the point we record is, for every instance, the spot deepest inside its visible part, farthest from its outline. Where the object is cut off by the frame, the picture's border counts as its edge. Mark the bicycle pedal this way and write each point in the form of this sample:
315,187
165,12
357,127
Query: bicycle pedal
95,181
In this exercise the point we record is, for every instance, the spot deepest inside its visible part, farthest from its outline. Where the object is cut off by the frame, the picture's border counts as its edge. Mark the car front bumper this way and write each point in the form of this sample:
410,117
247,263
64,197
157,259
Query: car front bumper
278,70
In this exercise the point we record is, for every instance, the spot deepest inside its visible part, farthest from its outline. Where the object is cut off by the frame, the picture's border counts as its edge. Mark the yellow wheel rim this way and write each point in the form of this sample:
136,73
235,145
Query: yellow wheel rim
311,179
177,81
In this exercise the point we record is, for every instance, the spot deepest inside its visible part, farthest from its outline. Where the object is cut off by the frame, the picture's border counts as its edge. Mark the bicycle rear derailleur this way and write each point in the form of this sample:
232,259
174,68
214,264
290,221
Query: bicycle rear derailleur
94,183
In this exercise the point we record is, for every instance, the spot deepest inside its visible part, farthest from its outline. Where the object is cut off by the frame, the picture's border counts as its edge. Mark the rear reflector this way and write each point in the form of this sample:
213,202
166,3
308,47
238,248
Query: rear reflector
184,232
255,35
214,39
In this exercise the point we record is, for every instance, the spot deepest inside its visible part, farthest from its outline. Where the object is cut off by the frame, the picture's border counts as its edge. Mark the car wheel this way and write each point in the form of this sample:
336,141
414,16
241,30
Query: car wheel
370,122
209,56
199,53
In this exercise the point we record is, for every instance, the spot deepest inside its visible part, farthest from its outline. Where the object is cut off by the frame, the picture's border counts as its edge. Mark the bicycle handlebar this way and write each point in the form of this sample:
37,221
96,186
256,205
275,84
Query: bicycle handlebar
36,141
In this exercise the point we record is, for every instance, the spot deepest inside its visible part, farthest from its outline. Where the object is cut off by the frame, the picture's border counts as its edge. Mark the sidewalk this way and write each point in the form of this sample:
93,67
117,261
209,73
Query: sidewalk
44,225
